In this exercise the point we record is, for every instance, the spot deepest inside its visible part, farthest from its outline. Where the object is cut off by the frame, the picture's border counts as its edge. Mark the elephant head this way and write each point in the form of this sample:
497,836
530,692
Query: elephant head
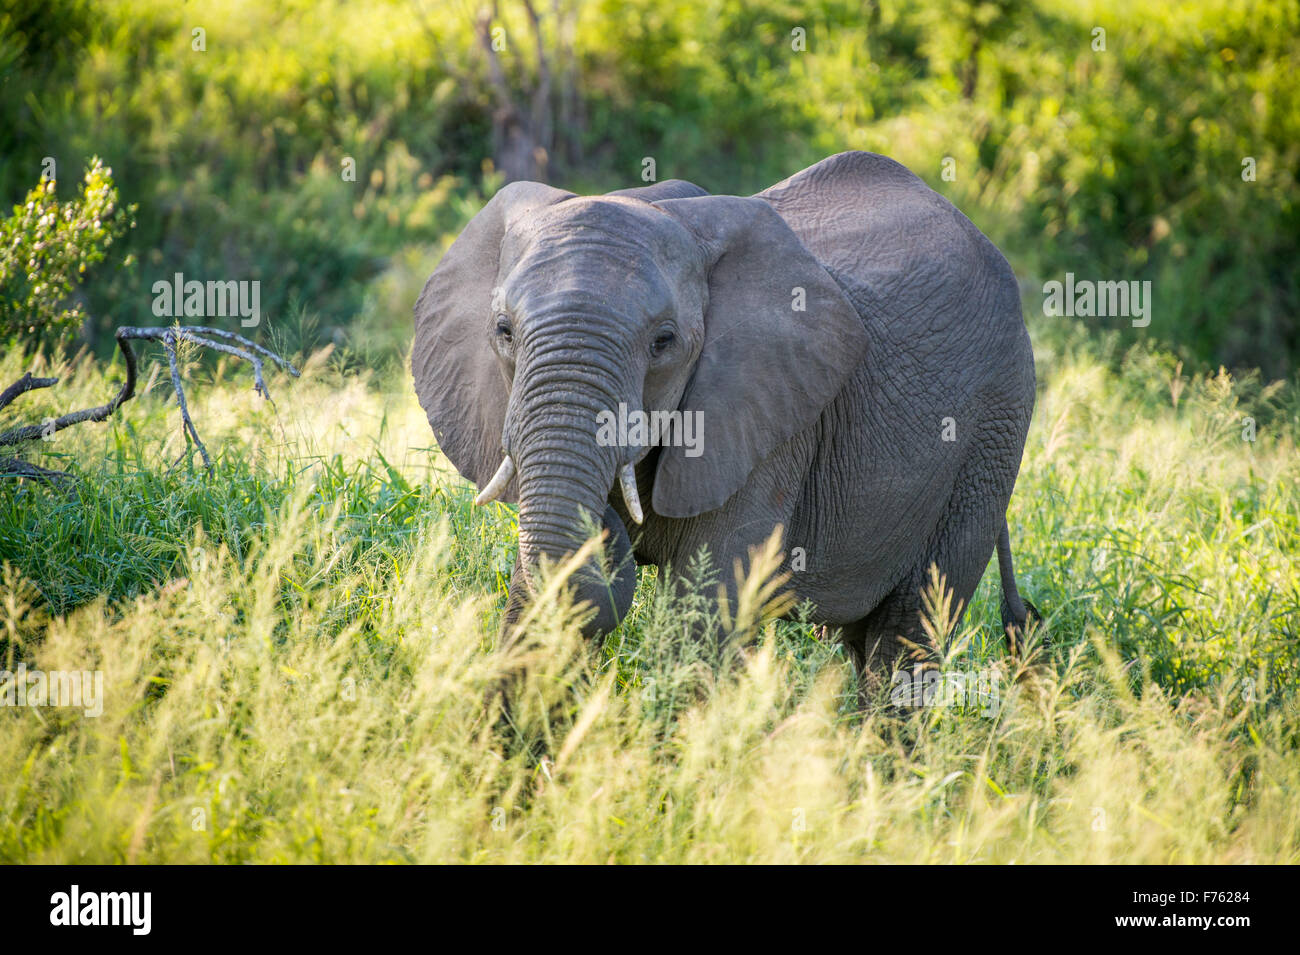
551,308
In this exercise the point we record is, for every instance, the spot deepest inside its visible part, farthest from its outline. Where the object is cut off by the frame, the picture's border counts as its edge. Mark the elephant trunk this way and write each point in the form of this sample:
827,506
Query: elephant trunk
564,479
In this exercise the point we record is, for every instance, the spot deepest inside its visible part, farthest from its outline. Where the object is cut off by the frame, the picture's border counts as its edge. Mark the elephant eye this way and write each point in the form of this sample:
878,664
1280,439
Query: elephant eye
504,331
663,341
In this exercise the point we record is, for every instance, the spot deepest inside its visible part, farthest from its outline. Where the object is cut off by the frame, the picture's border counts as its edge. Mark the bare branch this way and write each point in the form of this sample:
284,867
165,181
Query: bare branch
169,342
14,468
232,337
200,335
33,431
23,385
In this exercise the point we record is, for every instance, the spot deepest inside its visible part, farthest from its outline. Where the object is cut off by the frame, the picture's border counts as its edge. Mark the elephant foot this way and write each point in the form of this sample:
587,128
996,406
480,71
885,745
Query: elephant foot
1016,629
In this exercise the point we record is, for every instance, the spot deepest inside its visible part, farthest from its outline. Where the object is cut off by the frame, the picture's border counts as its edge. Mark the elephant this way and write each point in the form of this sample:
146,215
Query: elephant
850,345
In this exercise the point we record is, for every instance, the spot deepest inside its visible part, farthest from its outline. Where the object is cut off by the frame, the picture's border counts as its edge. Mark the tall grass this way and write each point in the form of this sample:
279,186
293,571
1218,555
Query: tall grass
301,662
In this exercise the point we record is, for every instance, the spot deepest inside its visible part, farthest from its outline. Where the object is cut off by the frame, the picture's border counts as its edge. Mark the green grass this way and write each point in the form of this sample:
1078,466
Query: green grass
300,655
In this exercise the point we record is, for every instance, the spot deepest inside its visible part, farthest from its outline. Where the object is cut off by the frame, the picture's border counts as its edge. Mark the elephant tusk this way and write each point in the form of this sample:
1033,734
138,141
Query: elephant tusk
497,485
627,478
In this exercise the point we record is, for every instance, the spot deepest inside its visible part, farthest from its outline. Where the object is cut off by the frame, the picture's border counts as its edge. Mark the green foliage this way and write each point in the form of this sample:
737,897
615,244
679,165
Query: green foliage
1116,163
1170,155
236,153
41,44
45,249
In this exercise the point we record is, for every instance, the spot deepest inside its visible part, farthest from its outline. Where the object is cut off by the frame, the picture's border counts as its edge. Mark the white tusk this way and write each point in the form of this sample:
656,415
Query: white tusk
497,485
627,478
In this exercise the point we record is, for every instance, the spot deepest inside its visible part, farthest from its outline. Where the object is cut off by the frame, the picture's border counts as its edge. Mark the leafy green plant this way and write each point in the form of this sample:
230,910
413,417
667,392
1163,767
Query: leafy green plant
45,249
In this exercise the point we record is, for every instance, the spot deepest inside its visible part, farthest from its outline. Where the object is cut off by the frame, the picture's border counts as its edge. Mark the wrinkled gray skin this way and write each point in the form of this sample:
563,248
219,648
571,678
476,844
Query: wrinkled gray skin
829,421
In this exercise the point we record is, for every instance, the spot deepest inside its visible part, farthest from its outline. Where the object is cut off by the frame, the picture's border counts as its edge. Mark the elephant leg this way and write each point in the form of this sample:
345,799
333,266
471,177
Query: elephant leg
695,607
698,616
892,637
515,601
868,679
960,546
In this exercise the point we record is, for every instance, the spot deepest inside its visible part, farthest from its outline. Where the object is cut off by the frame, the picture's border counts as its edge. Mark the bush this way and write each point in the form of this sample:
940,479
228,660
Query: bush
45,250
1122,163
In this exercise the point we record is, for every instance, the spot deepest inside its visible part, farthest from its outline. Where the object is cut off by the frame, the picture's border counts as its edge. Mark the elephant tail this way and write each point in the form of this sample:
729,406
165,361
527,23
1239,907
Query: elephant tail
1016,612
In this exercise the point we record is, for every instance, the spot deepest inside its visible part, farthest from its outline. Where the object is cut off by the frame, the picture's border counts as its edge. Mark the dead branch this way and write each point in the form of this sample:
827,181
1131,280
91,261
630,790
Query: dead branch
169,342
199,335
33,431
16,468
23,385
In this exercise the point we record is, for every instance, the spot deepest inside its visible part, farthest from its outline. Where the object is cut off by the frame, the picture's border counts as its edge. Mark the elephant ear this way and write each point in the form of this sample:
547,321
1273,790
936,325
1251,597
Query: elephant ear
457,375
780,341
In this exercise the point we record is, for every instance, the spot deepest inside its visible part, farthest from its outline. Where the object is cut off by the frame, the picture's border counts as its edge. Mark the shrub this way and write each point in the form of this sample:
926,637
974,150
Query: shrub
46,248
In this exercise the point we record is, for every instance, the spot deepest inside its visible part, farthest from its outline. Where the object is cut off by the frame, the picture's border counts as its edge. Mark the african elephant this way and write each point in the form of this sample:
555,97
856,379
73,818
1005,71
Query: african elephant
849,343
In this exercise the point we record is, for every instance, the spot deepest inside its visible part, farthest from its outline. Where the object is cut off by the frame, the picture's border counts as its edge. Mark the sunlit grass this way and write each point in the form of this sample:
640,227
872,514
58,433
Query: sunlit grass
301,662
